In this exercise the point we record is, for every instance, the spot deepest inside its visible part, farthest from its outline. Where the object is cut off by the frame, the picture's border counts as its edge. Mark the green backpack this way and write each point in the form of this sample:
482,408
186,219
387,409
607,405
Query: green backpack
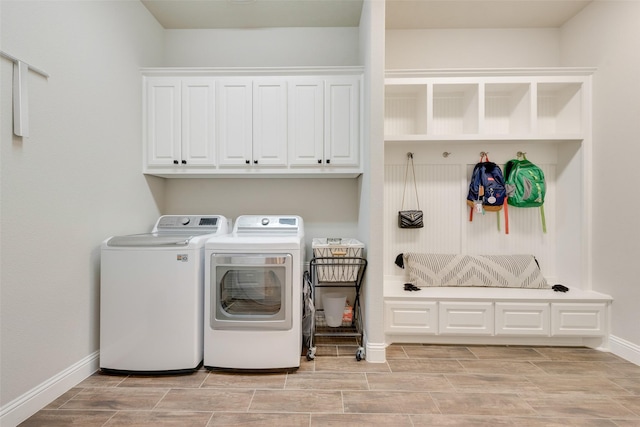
525,186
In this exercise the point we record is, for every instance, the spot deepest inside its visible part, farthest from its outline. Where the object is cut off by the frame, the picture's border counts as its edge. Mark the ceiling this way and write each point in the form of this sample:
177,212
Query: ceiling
400,14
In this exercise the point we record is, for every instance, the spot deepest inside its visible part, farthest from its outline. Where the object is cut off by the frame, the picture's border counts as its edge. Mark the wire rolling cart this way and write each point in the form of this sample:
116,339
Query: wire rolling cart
333,272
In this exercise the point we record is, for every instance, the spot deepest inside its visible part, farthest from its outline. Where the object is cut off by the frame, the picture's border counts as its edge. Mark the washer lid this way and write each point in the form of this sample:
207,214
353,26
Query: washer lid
153,240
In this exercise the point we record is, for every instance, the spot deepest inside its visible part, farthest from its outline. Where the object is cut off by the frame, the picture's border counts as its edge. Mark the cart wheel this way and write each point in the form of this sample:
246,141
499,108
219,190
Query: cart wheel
311,354
360,354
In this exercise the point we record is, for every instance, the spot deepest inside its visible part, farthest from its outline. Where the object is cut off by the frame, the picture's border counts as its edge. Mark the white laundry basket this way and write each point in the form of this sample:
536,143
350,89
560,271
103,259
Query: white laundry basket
337,270
333,304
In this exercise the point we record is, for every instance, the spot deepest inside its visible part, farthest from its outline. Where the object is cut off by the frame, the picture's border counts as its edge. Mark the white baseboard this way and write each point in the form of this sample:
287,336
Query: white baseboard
375,352
21,408
625,349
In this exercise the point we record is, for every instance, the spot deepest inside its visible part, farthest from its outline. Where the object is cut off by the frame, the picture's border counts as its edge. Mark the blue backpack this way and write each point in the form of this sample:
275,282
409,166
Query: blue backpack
486,188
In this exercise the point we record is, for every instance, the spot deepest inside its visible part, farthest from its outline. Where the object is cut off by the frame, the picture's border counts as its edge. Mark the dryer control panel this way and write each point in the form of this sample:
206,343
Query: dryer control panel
268,224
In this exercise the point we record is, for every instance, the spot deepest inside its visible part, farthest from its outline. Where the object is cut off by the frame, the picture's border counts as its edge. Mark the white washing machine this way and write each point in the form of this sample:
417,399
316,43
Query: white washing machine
253,294
151,296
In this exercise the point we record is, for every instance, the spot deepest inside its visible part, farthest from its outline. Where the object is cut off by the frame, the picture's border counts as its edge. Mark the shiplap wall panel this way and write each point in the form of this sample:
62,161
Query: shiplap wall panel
497,115
439,192
448,116
442,190
400,116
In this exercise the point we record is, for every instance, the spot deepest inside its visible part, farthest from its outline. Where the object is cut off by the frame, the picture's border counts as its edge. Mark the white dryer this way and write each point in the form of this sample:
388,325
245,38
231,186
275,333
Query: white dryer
151,296
253,295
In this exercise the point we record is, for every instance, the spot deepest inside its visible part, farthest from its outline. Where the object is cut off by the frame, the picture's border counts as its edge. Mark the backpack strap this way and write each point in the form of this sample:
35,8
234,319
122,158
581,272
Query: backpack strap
543,219
506,216
484,157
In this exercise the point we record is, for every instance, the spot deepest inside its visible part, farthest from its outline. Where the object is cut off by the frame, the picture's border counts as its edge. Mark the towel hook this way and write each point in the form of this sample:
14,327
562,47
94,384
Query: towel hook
410,155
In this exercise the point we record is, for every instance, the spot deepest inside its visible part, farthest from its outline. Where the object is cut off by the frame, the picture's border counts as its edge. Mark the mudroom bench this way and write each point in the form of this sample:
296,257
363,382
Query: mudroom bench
504,316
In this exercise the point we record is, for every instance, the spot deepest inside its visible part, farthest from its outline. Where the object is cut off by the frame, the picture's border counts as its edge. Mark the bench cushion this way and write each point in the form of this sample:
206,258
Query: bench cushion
503,271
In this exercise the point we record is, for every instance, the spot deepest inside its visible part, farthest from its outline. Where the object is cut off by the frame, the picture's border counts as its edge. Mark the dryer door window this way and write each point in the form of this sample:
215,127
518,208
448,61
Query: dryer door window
251,291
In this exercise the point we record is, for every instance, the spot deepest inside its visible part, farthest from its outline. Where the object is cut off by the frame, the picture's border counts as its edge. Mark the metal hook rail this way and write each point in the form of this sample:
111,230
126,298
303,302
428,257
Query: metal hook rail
31,67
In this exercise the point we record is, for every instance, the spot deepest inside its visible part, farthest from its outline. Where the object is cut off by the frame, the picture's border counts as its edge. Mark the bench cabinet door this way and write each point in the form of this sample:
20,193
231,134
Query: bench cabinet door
466,318
523,318
411,317
578,319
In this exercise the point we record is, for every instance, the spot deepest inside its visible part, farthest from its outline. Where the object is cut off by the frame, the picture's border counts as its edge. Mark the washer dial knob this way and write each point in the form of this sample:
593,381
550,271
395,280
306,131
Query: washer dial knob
265,221
185,221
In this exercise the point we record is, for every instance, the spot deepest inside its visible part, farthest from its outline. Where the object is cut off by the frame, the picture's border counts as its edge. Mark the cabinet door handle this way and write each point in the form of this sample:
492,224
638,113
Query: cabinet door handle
255,162
246,161
175,162
319,161
184,162
328,161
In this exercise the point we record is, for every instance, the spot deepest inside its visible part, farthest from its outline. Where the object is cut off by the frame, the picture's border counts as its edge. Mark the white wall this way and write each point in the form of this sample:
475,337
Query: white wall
605,35
76,180
262,47
329,207
474,48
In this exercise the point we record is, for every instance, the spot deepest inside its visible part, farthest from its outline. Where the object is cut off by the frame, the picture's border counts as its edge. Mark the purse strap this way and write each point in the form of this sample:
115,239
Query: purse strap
415,185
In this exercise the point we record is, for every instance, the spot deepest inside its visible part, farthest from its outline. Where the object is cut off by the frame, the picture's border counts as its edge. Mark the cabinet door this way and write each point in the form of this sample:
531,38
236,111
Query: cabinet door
162,121
269,123
411,317
578,319
522,318
466,318
235,128
306,122
342,121
198,118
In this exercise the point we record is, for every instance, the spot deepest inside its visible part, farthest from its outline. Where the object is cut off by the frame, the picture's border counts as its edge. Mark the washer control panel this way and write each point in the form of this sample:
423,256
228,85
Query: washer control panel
190,222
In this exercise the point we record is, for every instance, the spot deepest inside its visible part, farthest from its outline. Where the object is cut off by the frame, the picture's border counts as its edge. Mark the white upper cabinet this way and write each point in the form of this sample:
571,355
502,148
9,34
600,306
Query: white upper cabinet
342,122
235,121
485,105
270,122
324,122
252,122
306,122
198,124
163,122
179,123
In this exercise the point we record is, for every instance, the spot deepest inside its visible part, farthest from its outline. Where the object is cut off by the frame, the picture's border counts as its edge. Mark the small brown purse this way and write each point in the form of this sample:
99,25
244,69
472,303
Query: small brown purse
410,218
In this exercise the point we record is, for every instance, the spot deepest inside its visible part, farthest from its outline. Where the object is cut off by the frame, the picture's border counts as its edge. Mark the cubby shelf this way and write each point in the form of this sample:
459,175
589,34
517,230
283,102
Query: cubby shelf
487,105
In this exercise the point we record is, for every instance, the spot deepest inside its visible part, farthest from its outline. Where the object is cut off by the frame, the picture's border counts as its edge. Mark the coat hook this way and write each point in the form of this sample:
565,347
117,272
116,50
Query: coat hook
521,154
446,154
484,153
410,155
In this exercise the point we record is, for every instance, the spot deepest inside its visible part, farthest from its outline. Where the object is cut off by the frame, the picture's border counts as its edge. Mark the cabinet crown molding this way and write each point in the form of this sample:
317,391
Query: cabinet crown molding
484,72
251,71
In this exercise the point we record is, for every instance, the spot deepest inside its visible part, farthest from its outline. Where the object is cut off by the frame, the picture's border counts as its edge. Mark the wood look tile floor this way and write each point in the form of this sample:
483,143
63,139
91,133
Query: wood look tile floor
419,385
